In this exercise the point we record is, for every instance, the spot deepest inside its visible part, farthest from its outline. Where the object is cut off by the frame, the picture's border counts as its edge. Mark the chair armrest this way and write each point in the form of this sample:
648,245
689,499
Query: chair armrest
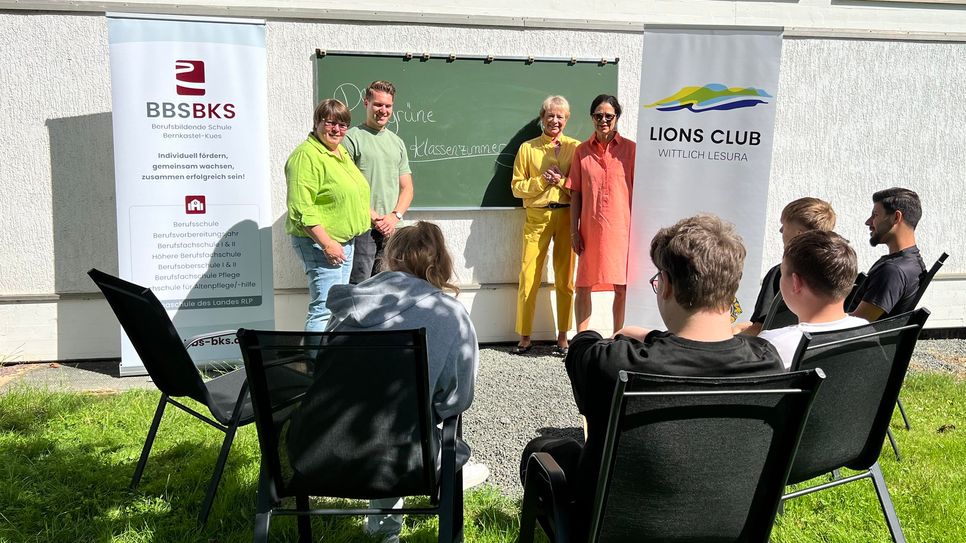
190,342
545,482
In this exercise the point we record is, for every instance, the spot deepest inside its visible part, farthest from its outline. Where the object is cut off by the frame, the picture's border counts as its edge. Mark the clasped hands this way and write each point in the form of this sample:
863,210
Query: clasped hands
553,176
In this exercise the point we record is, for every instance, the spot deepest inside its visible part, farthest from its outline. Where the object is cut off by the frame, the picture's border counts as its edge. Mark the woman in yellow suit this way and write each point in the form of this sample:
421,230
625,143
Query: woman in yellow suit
539,173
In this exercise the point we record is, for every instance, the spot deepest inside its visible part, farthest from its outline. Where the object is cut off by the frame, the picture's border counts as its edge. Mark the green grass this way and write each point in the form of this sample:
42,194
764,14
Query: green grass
66,461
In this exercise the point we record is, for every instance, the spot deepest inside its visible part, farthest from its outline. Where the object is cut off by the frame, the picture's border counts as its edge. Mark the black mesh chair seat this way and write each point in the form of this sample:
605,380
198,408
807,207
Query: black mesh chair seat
865,367
685,459
349,415
166,359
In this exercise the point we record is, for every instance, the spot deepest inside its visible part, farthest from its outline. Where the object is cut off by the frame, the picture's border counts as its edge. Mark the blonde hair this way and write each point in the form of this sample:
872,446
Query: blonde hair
421,251
812,213
555,101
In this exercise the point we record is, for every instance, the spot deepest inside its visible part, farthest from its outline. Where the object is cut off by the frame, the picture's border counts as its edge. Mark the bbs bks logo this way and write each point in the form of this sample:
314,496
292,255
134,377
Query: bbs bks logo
190,80
190,75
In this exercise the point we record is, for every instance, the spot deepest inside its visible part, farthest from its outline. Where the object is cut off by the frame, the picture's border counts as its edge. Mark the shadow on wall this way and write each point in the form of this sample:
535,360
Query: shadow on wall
84,227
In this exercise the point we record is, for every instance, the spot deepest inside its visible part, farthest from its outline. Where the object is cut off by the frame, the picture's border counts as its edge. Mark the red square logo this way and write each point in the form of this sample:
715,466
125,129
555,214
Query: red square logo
194,205
191,77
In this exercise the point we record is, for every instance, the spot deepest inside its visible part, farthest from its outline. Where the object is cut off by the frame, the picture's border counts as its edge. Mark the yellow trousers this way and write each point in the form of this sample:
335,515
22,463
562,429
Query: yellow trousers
542,226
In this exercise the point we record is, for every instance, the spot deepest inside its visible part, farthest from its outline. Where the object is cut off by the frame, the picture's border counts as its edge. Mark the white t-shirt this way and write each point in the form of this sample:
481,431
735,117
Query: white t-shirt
786,339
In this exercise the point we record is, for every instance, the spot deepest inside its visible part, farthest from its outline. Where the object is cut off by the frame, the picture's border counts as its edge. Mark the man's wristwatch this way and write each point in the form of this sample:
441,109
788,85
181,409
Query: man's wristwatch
398,215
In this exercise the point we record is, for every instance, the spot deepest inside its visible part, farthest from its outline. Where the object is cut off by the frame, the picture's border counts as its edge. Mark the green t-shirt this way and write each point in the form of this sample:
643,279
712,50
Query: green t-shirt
325,189
381,155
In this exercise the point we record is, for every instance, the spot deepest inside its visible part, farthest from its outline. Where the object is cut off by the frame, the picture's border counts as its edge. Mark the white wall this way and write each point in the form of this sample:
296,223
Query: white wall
854,116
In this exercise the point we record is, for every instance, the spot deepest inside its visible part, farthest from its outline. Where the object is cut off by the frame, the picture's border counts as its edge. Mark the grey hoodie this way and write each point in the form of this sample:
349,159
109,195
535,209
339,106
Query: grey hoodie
397,300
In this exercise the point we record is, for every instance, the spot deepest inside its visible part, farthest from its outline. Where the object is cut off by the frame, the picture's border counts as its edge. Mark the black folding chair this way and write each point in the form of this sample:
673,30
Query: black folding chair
167,361
685,459
865,367
779,316
349,415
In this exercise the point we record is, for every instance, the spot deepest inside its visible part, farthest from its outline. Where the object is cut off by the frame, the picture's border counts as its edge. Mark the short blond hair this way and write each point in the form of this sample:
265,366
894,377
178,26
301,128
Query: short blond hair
555,101
421,251
811,213
703,257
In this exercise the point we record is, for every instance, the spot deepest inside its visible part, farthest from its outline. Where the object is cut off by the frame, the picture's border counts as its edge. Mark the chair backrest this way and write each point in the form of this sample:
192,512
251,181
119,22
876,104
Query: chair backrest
153,336
926,278
850,302
778,316
865,367
698,459
343,414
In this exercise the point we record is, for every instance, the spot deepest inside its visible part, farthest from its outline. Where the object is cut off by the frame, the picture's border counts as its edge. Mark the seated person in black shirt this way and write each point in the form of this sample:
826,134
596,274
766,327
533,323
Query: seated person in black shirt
699,262
894,279
799,216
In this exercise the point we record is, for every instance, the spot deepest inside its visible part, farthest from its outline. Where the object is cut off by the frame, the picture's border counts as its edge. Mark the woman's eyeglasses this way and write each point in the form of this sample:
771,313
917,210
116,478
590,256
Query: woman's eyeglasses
340,125
606,117
655,280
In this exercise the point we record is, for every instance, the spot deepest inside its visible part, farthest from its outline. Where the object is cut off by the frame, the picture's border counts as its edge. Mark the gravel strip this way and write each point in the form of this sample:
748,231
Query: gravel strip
519,397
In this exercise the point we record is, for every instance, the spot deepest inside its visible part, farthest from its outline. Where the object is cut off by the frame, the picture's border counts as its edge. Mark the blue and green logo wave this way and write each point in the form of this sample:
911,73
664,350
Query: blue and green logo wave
712,97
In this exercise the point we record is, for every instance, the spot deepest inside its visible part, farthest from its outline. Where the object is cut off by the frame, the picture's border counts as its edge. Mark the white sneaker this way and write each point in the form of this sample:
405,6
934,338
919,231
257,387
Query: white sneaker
474,474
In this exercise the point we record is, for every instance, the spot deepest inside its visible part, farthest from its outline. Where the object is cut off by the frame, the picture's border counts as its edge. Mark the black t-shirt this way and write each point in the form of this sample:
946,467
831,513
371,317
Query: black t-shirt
894,282
593,364
769,289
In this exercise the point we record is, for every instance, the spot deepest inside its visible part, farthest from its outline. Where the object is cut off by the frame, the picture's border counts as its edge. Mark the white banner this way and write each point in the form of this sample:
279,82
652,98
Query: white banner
704,144
194,216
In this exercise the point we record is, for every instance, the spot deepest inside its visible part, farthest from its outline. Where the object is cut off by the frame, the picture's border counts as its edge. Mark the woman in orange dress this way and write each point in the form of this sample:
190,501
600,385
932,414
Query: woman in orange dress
601,180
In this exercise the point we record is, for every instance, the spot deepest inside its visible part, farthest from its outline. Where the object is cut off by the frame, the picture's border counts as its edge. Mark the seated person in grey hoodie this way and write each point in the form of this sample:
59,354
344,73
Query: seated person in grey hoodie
410,295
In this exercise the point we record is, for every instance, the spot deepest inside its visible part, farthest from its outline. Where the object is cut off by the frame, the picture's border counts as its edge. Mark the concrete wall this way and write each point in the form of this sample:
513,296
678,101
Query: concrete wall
854,116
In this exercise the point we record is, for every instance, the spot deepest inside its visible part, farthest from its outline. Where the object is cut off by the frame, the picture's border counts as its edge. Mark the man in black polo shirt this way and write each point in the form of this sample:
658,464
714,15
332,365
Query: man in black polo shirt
894,279
699,262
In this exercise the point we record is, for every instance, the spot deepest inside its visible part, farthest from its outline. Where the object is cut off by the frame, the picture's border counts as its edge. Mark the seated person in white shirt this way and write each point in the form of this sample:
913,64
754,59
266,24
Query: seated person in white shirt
818,270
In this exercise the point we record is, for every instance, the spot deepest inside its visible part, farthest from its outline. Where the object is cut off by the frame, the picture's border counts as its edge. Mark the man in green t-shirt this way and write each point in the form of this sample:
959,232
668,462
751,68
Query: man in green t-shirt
381,155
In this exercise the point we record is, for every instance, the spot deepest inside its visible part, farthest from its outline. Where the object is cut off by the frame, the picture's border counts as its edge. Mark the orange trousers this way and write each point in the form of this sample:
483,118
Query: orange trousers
542,226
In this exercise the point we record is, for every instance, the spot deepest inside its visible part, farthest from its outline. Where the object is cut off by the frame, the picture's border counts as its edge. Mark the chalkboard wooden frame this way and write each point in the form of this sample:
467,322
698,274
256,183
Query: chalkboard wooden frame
463,117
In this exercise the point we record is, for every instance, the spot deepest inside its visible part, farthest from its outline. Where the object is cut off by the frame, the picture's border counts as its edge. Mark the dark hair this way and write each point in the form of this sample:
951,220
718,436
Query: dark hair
703,257
330,107
824,260
904,200
812,213
380,86
612,100
421,251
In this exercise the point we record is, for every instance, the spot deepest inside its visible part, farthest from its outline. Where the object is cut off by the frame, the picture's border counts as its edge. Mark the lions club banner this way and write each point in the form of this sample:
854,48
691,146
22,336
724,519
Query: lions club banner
191,169
704,141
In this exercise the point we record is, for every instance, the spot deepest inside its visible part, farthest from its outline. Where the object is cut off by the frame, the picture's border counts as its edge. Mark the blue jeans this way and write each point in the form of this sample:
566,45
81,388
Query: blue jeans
322,275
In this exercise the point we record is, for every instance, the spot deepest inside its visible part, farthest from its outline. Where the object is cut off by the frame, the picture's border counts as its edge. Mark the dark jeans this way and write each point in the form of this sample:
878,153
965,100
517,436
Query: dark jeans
367,257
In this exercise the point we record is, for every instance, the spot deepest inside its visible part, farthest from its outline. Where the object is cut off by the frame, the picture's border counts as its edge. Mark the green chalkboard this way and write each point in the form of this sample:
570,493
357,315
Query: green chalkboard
463,119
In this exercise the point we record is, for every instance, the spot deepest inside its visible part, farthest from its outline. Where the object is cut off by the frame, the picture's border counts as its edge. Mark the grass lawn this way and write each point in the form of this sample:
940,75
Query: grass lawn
66,461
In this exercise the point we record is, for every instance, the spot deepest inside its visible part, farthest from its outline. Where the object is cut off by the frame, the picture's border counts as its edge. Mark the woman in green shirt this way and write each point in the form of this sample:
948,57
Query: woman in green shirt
328,206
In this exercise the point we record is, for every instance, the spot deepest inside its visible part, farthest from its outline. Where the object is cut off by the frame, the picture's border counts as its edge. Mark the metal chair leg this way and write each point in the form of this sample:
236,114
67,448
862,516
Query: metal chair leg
458,508
892,441
888,510
149,441
216,475
263,507
902,411
304,521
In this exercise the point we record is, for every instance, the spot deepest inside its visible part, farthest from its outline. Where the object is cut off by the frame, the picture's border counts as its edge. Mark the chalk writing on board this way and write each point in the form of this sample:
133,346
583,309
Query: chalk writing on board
348,94
426,150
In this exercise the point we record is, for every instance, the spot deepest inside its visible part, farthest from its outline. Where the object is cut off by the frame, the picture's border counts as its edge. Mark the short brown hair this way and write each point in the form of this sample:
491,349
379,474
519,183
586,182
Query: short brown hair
812,213
331,108
824,260
380,86
703,257
421,251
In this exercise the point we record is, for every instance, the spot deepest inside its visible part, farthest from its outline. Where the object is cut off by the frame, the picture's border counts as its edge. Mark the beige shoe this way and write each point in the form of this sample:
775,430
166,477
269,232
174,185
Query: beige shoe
474,474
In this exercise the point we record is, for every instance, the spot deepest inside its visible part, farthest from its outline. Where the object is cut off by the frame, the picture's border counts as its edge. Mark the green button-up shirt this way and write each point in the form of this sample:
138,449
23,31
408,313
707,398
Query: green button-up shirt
325,188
